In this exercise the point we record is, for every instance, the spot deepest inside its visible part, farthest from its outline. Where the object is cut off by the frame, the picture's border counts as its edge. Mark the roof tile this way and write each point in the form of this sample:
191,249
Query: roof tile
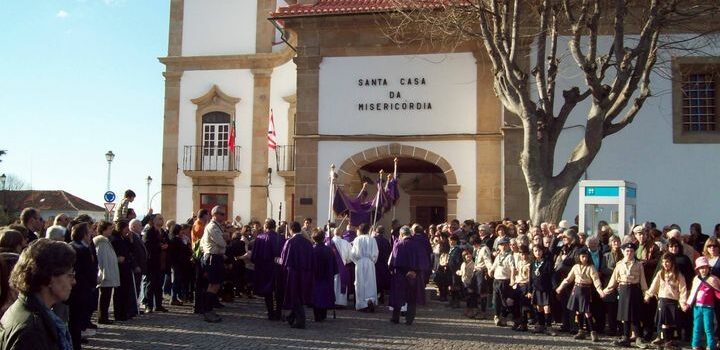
342,7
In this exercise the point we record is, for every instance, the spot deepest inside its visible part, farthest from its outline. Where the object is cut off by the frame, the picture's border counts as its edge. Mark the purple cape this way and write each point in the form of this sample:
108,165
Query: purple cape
266,248
297,257
404,258
382,271
362,210
324,270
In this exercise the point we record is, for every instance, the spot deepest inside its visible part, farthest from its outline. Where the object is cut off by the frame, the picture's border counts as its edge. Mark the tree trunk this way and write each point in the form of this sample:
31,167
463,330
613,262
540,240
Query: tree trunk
548,202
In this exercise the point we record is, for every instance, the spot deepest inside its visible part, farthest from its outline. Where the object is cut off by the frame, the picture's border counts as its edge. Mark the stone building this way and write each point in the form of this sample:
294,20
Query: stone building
342,93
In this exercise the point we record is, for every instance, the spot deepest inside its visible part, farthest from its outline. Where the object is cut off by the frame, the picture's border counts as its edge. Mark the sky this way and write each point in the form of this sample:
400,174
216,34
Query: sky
79,78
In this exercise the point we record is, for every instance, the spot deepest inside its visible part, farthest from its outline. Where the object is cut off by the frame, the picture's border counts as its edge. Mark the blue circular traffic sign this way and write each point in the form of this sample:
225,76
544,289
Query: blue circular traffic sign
109,196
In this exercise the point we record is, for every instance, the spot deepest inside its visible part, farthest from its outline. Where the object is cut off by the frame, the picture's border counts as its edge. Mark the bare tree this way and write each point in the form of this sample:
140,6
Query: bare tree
14,183
616,79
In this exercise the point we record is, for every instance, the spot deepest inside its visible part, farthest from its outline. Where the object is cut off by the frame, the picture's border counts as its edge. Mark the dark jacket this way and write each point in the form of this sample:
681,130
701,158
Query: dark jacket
153,241
179,255
541,277
139,253
27,326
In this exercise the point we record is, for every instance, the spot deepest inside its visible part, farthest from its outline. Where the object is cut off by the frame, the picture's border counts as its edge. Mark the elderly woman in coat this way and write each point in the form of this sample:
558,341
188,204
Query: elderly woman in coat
108,271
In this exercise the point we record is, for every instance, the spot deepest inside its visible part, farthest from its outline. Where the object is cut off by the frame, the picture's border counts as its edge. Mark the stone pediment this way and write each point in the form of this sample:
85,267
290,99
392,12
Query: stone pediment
215,97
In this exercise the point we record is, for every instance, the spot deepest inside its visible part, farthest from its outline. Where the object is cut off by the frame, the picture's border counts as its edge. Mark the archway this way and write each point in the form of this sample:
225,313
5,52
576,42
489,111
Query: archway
432,179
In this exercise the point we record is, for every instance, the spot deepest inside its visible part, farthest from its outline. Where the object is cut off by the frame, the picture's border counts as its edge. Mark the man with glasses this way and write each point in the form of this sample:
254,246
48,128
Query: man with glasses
213,245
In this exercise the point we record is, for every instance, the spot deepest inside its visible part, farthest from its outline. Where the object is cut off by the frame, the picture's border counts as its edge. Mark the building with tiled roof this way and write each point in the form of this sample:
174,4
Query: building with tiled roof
341,92
50,203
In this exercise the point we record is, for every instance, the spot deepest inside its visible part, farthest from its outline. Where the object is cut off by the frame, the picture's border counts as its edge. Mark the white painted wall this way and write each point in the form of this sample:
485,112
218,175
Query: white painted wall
218,27
282,85
460,155
450,88
676,182
236,83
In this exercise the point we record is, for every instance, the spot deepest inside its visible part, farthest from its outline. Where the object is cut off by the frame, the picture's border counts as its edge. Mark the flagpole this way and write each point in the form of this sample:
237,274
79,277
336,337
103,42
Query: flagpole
394,177
331,194
377,200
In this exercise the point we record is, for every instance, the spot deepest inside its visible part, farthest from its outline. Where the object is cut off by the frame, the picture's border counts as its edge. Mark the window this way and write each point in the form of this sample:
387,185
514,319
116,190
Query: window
695,95
698,95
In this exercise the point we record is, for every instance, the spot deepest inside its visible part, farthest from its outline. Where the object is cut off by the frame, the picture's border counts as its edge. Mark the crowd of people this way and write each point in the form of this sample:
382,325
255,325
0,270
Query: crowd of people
651,287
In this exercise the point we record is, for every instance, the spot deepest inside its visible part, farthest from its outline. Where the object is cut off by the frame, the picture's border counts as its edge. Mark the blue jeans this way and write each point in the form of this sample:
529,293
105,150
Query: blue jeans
704,318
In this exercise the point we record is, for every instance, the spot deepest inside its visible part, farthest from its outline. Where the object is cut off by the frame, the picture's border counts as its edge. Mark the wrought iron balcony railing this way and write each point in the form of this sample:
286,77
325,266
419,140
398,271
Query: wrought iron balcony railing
211,158
285,157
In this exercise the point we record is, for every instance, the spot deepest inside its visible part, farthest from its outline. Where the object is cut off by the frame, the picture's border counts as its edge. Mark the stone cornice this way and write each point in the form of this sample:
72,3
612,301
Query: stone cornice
217,62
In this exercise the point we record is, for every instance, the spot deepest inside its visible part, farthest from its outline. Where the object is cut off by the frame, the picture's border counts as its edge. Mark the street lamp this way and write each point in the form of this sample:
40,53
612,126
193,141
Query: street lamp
109,156
149,181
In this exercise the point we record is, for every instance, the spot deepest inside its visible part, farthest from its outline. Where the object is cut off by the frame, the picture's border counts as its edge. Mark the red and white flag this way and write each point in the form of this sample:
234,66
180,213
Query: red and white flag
272,137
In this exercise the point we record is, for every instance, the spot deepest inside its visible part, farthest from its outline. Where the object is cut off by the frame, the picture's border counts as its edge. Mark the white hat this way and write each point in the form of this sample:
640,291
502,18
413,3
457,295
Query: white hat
564,224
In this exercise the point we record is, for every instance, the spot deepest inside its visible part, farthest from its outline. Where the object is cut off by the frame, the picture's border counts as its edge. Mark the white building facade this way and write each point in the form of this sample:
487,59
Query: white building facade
341,94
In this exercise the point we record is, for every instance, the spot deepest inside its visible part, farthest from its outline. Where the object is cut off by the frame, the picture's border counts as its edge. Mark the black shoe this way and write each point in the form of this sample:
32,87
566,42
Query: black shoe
371,306
395,321
161,309
298,326
105,321
218,305
93,326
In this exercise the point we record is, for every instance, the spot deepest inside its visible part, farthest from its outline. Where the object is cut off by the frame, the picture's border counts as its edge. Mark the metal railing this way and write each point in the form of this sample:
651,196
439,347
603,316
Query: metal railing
285,158
200,158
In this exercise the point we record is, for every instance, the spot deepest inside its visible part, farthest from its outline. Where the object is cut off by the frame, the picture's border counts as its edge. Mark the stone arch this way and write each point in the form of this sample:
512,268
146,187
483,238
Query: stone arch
347,178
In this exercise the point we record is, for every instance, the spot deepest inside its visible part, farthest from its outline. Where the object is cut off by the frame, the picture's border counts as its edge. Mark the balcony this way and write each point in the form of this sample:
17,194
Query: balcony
201,161
285,158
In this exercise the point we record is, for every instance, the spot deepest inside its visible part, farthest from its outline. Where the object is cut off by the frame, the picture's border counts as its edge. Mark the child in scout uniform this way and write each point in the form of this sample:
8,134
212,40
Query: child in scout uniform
520,281
466,272
541,275
670,289
585,276
501,269
703,294
628,278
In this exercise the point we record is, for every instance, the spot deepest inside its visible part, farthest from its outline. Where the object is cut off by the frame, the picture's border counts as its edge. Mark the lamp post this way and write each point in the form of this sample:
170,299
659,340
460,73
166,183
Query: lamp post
109,156
149,181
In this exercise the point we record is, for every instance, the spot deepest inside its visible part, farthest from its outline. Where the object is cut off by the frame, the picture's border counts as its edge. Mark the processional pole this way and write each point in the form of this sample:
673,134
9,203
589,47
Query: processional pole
394,177
331,195
377,195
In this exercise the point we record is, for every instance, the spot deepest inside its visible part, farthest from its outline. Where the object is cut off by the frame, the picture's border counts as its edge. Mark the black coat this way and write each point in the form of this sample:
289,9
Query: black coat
153,241
85,272
179,255
541,277
27,326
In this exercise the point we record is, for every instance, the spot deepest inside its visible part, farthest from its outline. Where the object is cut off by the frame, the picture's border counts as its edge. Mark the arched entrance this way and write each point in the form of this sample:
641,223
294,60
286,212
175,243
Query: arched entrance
428,181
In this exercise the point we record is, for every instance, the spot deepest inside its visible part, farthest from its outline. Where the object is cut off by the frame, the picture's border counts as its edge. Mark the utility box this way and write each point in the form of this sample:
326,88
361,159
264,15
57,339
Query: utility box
607,201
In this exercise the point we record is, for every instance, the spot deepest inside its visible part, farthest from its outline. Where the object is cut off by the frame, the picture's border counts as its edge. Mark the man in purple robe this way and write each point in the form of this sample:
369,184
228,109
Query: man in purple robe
382,271
424,252
405,271
324,270
268,273
349,236
296,260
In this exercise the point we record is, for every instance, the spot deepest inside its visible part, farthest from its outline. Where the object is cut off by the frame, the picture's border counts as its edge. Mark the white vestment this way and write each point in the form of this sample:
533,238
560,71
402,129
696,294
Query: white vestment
364,254
343,248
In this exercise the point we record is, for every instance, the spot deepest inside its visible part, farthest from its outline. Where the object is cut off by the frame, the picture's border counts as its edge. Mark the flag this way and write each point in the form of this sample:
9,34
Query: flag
231,137
272,137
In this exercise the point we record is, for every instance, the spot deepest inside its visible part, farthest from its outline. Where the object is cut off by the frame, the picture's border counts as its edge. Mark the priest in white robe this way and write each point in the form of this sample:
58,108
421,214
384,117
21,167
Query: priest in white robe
341,250
364,254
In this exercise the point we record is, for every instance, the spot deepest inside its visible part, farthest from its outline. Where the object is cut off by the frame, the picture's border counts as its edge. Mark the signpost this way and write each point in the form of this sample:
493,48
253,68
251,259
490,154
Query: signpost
109,198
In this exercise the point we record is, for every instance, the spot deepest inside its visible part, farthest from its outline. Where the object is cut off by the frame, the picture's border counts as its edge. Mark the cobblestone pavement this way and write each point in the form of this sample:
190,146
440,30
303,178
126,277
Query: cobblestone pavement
244,326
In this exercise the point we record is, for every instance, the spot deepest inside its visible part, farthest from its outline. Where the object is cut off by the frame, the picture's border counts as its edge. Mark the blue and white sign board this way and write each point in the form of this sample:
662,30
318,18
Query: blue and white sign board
611,201
109,196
